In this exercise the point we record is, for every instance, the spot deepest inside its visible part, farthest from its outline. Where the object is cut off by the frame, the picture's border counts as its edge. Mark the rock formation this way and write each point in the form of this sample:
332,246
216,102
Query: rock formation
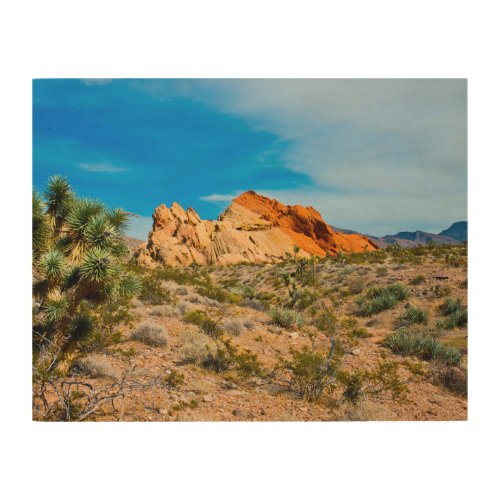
252,229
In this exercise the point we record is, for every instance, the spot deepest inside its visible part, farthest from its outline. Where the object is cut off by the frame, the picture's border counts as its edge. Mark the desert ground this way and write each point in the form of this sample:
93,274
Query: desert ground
219,343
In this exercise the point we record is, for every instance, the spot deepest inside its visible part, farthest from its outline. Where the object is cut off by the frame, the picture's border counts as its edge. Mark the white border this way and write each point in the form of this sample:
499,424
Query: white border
249,39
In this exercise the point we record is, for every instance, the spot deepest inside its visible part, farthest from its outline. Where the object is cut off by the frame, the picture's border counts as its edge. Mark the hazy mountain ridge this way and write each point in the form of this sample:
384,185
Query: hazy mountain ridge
454,235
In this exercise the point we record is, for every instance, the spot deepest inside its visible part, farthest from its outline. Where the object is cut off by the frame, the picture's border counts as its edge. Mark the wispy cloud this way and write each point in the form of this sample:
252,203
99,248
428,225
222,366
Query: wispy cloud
101,167
389,149
96,81
220,198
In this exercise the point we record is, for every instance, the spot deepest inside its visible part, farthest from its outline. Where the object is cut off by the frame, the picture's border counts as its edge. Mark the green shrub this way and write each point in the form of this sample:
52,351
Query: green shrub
450,306
382,271
414,315
361,332
309,373
379,299
183,405
381,380
441,290
218,361
305,299
207,325
455,312
418,279
226,356
326,321
152,291
247,365
424,347
173,380
285,317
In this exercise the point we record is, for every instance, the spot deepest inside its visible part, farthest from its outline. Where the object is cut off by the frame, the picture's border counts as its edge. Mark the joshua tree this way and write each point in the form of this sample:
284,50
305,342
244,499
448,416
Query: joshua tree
77,245
296,250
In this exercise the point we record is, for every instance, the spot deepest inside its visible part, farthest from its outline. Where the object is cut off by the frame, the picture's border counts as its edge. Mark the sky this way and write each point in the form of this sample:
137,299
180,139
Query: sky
377,156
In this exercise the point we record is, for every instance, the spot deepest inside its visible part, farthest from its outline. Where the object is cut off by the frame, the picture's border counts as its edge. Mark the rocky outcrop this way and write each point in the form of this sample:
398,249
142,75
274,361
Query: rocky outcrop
252,229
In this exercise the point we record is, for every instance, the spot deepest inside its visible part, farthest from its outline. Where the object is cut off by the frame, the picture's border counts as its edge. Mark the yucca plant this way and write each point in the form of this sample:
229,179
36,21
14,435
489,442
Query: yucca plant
77,246
406,343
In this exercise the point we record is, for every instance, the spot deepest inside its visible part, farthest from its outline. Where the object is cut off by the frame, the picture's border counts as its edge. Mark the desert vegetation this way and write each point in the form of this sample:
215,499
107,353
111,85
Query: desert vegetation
298,339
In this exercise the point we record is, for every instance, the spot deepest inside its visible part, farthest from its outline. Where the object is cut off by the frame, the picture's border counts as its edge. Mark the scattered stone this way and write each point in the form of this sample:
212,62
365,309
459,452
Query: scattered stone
237,412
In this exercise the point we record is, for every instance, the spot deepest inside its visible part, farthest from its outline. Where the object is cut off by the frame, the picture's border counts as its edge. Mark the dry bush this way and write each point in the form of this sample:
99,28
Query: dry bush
249,323
183,307
454,379
74,400
234,326
365,411
165,310
136,303
356,284
95,367
196,298
150,334
196,347
254,304
170,286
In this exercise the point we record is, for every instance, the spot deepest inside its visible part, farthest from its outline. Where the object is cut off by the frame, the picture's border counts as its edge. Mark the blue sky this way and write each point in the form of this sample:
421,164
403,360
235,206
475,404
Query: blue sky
378,156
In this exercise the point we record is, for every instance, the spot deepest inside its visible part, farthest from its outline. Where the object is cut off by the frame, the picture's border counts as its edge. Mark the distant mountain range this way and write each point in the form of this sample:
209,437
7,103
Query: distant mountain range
454,235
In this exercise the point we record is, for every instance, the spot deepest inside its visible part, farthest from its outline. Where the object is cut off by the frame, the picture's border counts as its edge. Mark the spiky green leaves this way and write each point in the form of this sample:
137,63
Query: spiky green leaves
90,226
98,266
82,212
100,233
81,327
119,219
52,265
40,226
77,245
55,309
59,198
128,286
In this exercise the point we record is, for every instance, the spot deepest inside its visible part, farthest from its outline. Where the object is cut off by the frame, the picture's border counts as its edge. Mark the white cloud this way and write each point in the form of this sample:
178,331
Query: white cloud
101,167
96,81
220,198
392,151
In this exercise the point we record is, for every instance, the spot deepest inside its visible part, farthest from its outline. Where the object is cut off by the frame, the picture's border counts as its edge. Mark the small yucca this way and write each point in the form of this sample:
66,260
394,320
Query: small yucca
285,317
425,347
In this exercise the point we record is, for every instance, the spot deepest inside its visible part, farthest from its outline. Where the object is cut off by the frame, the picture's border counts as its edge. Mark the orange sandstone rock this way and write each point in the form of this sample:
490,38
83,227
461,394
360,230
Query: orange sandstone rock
252,228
